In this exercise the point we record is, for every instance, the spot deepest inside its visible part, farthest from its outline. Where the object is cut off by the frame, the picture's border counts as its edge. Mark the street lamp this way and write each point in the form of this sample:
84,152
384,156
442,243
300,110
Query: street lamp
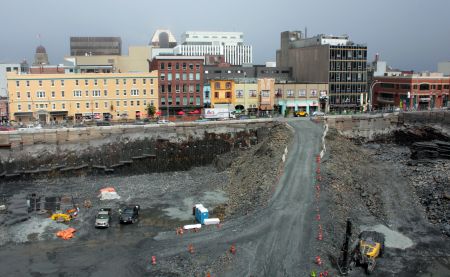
370,93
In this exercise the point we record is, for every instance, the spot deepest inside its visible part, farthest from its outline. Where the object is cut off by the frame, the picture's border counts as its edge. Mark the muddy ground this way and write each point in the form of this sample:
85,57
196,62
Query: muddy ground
380,188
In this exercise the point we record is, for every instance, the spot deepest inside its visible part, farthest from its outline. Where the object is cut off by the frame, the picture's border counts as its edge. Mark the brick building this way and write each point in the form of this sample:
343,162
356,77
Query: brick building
180,83
420,91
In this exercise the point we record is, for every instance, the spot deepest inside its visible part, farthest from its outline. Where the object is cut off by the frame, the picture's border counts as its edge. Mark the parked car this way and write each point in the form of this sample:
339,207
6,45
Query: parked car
242,117
163,121
318,113
300,114
103,218
6,128
103,123
129,214
30,127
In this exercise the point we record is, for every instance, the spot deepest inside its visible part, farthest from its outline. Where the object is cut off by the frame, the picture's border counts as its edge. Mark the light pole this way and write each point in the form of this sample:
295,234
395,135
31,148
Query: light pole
370,93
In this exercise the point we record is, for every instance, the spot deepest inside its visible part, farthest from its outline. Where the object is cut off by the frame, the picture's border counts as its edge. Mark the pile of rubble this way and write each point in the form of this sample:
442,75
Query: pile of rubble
254,172
430,150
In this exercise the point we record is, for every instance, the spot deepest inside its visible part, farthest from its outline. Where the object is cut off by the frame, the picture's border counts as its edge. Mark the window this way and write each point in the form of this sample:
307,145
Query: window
177,66
53,94
86,82
78,105
96,93
228,94
134,81
191,76
117,92
313,92
162,76
217,85
177,88
62,83
63,106
163,88
162,66
191,88
169,77
184,88
290,93
124,92
163,100
184,66
138,103
197,88
118,103
184,77
169,88
177,76
53,106
117,81
144,91
76,82
197,76
17,83
95,82
151,91
29,107
96,105
125,103
239,93
197,66
28,83
105,82
169,66
197,101
145,102
302,93
28,94
62,93
37,106
216,94
40,83
439,87
77,93
265,93
134,92
52,83
151,81
18,94
87,105
105,93
131,103
19,107
40,94
144,81
124,81
228,85
191,66
252,93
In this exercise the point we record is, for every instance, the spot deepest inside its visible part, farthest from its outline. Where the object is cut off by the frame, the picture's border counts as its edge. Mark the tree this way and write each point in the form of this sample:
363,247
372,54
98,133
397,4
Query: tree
151,110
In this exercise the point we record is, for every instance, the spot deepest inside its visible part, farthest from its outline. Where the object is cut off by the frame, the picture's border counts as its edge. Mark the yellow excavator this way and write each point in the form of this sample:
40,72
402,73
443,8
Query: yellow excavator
364,253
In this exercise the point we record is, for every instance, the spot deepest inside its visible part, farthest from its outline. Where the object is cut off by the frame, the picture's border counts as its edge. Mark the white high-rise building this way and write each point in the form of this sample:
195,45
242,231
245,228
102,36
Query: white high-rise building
229,44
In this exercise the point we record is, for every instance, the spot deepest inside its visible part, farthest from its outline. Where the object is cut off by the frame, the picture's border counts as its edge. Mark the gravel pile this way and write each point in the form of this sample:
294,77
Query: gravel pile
430,150
255,171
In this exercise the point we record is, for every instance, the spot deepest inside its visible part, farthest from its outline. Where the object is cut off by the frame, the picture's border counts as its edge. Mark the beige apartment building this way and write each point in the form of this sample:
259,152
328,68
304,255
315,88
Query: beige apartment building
81,97
246,96
301,96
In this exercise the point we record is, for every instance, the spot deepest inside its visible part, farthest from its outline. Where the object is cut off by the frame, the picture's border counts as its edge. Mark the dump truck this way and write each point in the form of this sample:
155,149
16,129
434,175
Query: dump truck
369,247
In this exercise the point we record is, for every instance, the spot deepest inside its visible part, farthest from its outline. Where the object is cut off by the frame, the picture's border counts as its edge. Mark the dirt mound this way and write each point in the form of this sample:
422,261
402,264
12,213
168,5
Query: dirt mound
255,171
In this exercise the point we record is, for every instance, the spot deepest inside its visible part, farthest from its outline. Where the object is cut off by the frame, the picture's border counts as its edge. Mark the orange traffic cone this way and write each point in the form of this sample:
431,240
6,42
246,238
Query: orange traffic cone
153,260
233,249
318,260
191,248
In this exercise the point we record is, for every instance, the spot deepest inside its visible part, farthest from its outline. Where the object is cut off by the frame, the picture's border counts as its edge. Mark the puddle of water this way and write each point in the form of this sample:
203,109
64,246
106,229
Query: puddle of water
209,199
393,239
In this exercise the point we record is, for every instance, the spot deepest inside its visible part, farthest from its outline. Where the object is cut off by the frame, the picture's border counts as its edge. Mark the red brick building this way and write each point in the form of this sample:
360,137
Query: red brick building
180,85
420,91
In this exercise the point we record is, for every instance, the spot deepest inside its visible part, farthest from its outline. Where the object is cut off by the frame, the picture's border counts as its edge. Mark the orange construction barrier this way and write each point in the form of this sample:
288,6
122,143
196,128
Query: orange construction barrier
233,249
208,274
66,234
191,248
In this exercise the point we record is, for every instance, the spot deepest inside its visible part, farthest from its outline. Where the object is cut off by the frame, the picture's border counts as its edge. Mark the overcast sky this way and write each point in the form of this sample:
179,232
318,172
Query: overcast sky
409,34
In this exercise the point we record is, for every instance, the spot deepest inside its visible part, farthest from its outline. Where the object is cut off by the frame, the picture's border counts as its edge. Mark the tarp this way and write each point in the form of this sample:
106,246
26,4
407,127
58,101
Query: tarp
66,234
108,194
192,226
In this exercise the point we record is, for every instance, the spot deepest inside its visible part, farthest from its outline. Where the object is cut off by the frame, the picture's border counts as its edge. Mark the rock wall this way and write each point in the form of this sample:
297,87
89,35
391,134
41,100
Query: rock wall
123,149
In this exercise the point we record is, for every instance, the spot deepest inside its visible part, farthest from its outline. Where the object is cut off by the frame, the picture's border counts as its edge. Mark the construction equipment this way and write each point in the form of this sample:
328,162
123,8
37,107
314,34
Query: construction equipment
370,246
364,252
60,217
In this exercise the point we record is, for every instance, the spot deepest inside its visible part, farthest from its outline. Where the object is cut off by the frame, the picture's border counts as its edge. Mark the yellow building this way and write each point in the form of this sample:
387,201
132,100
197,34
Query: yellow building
246,94
81,97
222,92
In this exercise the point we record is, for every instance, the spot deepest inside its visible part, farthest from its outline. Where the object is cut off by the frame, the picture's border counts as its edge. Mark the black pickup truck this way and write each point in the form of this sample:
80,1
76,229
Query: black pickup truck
129,214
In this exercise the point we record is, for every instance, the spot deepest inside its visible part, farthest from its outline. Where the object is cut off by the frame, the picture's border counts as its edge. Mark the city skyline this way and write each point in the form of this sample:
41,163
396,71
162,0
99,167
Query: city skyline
398,32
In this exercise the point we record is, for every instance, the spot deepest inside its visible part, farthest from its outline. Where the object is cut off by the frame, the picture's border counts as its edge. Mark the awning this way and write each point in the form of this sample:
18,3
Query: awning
55,113
23,114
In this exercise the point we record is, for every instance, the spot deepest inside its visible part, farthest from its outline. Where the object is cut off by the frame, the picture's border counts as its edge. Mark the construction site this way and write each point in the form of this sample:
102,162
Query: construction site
332,196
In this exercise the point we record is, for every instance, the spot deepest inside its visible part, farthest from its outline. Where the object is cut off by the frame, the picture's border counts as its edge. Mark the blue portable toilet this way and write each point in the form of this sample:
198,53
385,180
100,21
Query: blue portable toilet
201,213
